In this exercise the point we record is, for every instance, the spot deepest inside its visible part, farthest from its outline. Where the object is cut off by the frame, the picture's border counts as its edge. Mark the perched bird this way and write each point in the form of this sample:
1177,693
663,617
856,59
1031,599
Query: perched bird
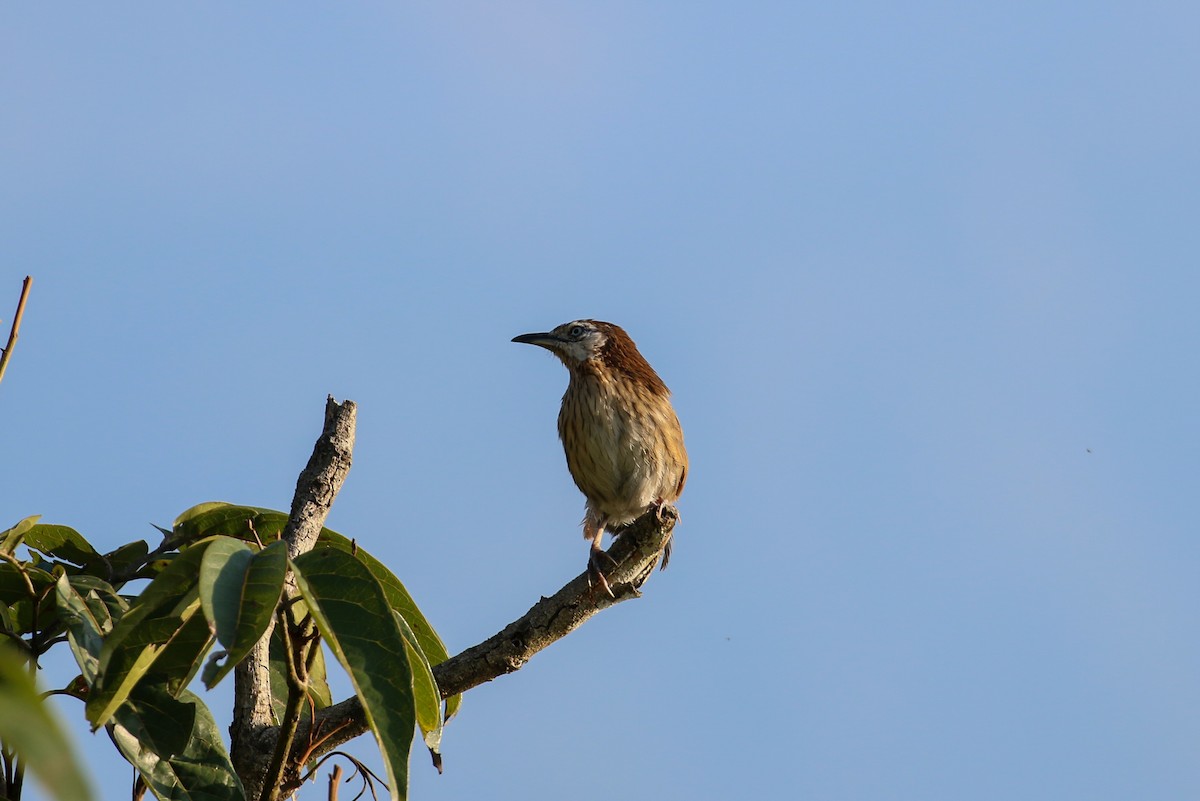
623,441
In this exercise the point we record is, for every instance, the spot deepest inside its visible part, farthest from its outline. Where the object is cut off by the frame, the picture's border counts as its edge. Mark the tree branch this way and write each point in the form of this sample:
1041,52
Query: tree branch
16,325
635,551
252,733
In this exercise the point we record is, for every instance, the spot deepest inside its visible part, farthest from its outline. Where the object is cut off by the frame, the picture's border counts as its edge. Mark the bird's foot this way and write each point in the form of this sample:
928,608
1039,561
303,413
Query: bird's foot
659,507
664,511
595,570
666,554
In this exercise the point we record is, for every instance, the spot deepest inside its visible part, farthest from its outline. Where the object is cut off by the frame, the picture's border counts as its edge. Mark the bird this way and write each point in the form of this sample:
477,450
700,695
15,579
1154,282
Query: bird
619,431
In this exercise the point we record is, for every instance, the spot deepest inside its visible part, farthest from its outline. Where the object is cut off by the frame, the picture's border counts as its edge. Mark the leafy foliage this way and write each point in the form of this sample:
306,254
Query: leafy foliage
156,624
175,745
218,577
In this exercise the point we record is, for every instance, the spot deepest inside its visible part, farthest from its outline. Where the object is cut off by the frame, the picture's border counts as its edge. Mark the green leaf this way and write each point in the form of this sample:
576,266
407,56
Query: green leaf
428,700
176,746
219,518
222,575
65,543
239,590
11,538
117,605
28,727
150,570
127,557
402,602
357,622
183,655
14,593
7,624
12,582
164,615
88,617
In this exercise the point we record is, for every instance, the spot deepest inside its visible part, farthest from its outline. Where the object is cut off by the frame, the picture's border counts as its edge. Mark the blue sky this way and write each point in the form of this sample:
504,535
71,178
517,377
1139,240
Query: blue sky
922,278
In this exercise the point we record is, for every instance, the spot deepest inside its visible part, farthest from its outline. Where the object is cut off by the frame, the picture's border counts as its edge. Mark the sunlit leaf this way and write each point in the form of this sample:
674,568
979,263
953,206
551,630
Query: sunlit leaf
222,576
11,538
239,590
225,519
358,624
65,543
428,701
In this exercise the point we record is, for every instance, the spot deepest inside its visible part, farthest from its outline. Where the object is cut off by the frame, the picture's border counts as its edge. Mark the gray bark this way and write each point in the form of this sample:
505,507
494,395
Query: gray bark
253,732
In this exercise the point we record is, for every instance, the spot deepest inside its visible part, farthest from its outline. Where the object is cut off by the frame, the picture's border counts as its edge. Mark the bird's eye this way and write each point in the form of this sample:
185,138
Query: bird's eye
576,331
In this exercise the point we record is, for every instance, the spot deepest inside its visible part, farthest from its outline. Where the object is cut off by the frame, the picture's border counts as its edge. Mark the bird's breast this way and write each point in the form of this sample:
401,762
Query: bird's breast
623,444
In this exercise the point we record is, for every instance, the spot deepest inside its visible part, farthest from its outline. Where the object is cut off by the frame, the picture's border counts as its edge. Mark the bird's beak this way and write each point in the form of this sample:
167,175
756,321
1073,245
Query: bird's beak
545,340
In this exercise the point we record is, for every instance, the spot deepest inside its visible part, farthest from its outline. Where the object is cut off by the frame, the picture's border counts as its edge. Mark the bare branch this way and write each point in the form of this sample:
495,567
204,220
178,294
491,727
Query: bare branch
252,733
321,480
635,551
16,325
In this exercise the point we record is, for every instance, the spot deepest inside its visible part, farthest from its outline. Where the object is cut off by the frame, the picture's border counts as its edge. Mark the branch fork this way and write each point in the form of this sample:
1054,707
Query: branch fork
256,738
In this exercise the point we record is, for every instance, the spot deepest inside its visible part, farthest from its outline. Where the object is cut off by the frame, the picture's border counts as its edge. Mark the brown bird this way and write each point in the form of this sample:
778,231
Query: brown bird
622,438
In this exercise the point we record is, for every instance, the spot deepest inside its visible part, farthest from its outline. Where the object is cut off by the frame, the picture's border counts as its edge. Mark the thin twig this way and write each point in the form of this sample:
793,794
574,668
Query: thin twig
369,777
16,325
335,778
316,744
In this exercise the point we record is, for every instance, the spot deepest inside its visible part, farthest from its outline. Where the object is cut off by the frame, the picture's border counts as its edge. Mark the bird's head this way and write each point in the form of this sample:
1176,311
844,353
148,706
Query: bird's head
598,347
574,342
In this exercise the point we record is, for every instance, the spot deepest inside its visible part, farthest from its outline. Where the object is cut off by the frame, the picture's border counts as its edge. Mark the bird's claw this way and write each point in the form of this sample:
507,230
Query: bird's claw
659,508
664,512
595,573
